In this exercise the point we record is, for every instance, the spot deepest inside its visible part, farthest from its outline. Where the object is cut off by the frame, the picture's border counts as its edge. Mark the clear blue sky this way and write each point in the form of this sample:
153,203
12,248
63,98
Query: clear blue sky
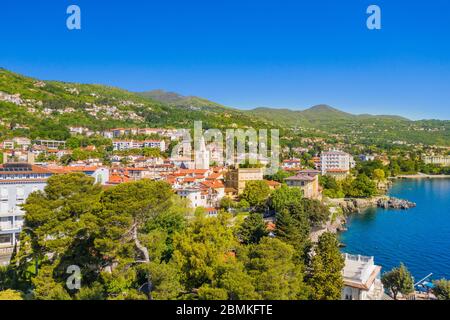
244,53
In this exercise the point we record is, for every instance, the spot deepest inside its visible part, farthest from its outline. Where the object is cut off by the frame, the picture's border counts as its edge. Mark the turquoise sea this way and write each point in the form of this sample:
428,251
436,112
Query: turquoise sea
418,237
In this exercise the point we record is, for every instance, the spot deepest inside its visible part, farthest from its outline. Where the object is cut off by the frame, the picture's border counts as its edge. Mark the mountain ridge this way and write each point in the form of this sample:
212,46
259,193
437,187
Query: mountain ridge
46,109
181,100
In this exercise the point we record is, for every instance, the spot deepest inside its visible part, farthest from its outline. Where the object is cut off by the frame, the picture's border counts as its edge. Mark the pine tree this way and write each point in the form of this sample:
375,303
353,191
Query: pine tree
252,229
292,227
326,269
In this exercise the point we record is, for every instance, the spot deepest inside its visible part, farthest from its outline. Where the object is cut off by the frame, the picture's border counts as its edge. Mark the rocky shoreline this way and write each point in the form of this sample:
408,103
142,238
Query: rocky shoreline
335,226
358,205
395,203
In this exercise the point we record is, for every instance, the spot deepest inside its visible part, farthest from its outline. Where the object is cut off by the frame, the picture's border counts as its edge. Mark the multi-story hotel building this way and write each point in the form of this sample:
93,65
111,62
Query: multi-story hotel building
131,144
335,160
17,181
437,160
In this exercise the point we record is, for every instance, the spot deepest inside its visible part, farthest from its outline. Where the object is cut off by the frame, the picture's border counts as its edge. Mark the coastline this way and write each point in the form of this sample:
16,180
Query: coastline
422,256
421,176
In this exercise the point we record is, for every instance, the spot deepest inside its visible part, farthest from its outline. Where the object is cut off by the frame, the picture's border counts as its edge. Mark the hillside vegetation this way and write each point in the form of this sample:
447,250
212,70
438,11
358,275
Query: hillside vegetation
45,109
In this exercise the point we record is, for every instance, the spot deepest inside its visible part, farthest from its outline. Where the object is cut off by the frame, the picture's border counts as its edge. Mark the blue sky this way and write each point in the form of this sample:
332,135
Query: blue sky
244,53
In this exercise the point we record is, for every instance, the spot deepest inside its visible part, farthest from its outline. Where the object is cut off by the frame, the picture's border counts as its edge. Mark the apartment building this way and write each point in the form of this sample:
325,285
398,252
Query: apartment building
17,181
437,160
336,161
120,145
158,144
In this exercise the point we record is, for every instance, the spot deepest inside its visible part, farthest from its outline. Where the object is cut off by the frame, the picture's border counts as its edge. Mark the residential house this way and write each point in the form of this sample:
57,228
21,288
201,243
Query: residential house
308,181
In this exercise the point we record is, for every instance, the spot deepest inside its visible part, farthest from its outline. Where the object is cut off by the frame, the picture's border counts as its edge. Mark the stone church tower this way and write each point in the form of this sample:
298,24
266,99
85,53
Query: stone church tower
202,155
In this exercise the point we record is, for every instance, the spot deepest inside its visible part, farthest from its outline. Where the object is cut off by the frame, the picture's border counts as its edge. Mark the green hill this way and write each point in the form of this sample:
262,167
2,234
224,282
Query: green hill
45,109
177,100
319,116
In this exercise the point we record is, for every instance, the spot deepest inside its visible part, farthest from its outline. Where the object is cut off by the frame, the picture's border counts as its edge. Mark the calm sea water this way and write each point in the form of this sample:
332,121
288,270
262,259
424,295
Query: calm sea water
418,237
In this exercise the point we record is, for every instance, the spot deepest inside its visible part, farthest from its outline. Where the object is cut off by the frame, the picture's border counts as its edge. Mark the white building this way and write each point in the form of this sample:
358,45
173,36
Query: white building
366,157
437,160
336,160
361,279
196,196
291,163
8,145
17,181
131,144
202,156
158,144
22,141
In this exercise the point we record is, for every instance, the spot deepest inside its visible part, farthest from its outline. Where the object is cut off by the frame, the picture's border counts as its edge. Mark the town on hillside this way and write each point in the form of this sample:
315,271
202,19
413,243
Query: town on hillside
319,171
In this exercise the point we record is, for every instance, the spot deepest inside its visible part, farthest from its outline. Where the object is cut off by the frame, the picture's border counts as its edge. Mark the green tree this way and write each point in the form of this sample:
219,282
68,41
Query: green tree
363,186
442,289
316,211
46,288
59,228
252,229
326,269
227,203
94,292
256,193
398,280
151,152
202,248
284,197
127,211
10,295
331,188
273,268
206,292
280,176
292,227
166,280
234,279
379,175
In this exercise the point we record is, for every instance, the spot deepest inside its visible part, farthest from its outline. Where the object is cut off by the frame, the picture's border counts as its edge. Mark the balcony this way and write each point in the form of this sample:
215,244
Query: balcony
11,226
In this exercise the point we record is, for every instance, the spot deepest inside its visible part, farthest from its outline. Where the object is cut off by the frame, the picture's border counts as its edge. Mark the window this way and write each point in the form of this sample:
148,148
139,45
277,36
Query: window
5,239
3,207
4,193
20,192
